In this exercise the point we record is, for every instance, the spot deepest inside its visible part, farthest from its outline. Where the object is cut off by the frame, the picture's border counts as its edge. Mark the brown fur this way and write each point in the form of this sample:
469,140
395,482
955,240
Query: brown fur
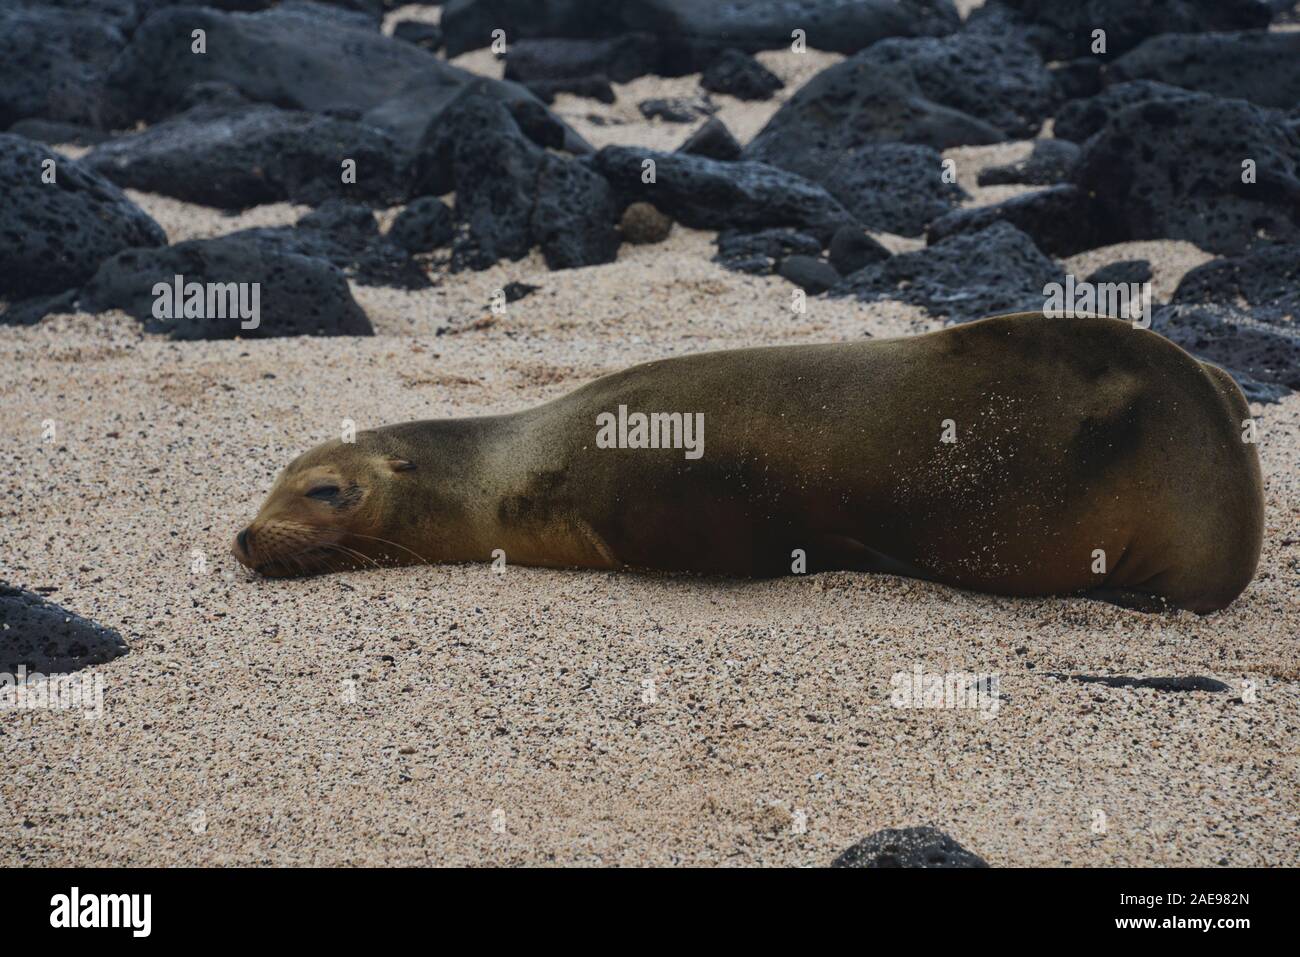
1072,435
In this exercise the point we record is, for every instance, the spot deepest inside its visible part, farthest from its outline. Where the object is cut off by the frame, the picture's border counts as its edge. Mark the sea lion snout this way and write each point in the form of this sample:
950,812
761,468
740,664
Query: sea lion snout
240,548
287,546
245,549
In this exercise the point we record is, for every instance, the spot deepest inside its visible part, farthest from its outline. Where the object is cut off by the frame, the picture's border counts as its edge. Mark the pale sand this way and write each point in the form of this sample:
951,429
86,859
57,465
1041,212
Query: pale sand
523,691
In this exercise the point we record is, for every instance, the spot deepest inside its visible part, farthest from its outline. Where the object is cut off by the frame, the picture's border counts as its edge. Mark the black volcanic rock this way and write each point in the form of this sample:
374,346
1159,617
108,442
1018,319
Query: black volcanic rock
707,194
468,115
1125,271
427,36
573,215
1261,67
213,93
236,158
852,249
292,56
1049,162
1241,313
1263,358
1062,29
1060,220
511,194
1080,119
423,103
619,59
423,226
997,79
42,637
54,64
740,75
346,236
514,291
1173,170
468,24
1267,280
908,847
691,31
127,15
854,104
713,140
494,169
892,187
498,172
298,295
841,26
809,273
26,312
1076,78
589,87
53,236
1284,11
55,133
841,130
368,14
965,277
122,15
677,109
759,252
1170,167
298,56
537,123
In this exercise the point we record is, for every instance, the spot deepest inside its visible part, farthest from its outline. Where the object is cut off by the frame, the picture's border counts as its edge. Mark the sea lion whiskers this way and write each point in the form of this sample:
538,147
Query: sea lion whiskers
300,567
335,566
353,553
421,558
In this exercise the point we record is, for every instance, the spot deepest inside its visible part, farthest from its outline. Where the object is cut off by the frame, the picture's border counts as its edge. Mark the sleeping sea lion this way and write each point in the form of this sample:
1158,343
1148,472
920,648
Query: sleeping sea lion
1019,455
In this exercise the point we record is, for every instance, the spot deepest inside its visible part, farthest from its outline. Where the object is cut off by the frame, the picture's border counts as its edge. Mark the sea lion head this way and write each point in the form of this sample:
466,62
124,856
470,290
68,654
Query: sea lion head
331,509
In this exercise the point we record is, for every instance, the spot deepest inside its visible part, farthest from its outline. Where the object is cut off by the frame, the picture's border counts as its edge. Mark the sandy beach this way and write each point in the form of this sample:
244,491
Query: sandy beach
454,715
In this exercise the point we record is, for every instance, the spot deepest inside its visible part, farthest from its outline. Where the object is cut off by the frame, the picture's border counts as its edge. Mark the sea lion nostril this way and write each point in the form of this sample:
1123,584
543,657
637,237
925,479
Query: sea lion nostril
242,540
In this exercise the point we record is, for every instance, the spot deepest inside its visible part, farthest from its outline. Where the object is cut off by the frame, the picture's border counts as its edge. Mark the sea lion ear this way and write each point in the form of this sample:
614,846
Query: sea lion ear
399,465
